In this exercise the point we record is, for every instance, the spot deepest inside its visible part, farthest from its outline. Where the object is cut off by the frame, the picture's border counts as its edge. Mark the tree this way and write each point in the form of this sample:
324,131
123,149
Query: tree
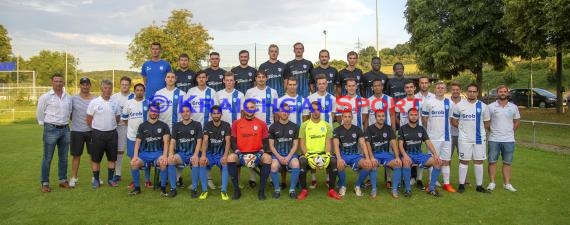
5,46
47,63
179,35
452,36
545,23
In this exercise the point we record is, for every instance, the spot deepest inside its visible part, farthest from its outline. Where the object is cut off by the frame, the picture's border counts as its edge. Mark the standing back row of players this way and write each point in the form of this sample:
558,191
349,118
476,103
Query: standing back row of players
154,71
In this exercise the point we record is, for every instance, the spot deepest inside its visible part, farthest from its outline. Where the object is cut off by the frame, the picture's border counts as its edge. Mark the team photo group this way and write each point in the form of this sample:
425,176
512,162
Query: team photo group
282,119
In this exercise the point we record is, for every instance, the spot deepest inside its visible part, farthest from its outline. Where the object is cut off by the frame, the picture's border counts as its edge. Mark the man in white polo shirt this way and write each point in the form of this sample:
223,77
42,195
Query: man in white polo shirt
103,116
505,119
53,112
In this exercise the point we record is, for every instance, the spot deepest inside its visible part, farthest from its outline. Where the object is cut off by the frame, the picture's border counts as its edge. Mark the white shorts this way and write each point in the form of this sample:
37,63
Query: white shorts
121,138
443,149
472,151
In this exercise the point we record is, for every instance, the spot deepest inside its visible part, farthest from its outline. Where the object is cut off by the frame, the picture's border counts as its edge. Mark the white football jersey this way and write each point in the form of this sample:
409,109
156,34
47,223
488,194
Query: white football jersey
170,105
264,98
454,130
296,107
471,117
357,111
201,102
438,113
404,105
230,104
135,112
121,100
384,103
328,105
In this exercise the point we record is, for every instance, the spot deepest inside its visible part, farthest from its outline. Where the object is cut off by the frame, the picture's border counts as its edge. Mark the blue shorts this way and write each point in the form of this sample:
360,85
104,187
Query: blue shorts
257,161
185,158
130,148
351,160
505,149
150,157
419,158
294,156
384,158
214,160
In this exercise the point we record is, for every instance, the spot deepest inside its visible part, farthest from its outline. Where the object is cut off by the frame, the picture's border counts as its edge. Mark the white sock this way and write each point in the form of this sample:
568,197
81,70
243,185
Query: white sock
178,173
209,173
445,174
313,176
251,174
119,164
420,171
479,174
462,173
429,174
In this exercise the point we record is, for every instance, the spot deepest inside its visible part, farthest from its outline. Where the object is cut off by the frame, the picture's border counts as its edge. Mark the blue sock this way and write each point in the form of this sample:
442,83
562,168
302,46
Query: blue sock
434,176
342,178
396,178
361,176
275,179
163,177
172,176
294,178
195,177
224,178
147,174
204,178
136,177
407,175
373,178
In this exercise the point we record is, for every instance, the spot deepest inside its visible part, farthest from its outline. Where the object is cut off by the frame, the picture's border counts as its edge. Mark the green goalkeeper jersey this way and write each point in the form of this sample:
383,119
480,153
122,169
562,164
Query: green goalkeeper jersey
315,135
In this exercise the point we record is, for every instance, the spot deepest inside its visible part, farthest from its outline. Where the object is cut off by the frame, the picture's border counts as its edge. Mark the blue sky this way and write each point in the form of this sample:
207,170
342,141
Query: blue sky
99,31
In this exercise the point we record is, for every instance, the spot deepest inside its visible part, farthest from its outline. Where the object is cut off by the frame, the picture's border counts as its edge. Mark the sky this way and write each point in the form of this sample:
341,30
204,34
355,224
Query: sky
98,32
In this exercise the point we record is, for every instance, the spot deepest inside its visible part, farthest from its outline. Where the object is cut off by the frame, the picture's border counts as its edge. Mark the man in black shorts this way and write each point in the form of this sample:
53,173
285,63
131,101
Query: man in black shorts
80,131
103,114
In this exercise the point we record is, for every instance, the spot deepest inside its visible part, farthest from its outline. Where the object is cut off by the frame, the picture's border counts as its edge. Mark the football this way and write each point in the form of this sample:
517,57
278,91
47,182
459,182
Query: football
319,161
249,160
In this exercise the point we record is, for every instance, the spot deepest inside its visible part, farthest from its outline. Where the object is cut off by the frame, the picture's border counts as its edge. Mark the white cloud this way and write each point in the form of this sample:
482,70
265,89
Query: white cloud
92,39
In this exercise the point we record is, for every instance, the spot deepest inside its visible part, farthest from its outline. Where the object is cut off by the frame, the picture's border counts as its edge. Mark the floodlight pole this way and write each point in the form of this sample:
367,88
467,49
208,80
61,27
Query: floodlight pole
325,33
377,30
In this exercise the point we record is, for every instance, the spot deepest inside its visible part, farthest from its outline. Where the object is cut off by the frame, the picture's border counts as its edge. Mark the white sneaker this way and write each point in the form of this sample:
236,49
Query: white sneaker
437,184
491,186
342,191
358,191
509,187
211,184
412,181
73,181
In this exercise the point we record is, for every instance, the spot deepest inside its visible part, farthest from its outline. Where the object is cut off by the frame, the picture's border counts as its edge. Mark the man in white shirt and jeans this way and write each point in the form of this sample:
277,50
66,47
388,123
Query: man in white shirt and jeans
53,112
505,119
103,116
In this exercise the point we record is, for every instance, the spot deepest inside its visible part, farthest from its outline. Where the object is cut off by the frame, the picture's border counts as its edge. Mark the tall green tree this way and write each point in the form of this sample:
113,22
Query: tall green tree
178,35
452,36
5,46
47,63
538,24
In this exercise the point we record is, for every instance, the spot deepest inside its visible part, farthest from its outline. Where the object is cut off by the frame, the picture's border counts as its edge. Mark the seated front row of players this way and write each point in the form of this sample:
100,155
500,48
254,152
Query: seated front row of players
189,147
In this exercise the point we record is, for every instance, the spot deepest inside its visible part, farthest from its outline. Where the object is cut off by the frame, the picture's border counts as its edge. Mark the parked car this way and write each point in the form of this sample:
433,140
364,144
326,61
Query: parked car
490,96
540,97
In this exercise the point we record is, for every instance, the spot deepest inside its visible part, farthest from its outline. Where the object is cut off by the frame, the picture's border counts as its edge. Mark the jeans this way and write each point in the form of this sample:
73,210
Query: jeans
55,136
